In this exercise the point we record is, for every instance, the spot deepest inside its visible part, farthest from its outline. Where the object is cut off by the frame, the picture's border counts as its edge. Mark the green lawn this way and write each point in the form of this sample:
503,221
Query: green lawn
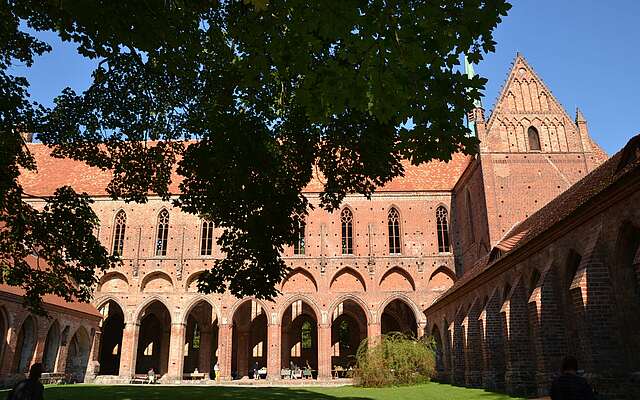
430,391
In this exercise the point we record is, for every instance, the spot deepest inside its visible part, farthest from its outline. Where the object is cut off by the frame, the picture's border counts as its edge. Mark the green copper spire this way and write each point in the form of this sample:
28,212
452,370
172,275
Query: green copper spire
468,69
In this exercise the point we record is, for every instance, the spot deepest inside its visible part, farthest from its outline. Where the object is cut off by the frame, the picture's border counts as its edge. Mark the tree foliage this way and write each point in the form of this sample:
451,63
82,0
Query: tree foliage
396,359
251,99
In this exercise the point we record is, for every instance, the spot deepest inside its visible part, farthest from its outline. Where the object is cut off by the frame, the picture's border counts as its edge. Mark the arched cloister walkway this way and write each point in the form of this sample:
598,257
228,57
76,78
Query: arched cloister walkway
249,346
111,339
152,350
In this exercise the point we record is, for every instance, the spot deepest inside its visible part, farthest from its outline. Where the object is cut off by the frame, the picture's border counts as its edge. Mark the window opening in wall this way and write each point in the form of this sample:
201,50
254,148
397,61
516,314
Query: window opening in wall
394,231
534,139
443,229
163,233
119,228
346,219
206,235
305,335
298,248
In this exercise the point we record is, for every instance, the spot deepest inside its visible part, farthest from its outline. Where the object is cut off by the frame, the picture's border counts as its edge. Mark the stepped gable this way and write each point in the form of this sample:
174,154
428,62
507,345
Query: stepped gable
559,209
55,172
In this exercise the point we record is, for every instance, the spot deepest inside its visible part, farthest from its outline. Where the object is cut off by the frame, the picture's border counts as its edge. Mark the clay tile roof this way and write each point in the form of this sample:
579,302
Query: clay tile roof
52,300
55,172
560,208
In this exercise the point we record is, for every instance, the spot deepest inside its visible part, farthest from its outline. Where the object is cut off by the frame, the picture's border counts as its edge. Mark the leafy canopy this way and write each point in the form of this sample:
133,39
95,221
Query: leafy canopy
251,99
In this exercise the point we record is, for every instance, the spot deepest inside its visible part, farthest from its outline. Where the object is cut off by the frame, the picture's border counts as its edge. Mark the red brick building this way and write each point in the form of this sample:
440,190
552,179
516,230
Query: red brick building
65,342
371,267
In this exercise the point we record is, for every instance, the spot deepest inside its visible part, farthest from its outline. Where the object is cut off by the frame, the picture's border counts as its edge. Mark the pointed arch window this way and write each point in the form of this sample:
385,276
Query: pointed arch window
119,227
305,335
206,238
442,223
534,139
394,231
346,220
162,233
298,248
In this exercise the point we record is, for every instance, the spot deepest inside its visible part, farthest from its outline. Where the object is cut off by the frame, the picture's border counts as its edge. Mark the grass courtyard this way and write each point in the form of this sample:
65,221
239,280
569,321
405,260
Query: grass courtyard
430,391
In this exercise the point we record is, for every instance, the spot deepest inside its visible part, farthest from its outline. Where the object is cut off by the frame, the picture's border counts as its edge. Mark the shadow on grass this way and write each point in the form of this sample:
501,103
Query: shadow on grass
430,391
183,393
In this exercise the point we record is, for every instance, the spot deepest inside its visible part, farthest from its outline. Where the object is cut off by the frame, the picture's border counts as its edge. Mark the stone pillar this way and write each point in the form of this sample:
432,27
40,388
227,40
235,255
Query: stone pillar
176,351
243,352
204,353
225,335
129,351
274,362
324,351
164,350
93,367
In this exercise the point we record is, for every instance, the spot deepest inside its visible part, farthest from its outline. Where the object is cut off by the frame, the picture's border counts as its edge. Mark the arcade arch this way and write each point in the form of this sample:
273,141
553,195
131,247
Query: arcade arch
111,340
299,336
152,350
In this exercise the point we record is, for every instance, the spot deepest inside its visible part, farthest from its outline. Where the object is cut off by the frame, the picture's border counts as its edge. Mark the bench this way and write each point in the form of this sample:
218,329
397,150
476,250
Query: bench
49,378
140,379
194,376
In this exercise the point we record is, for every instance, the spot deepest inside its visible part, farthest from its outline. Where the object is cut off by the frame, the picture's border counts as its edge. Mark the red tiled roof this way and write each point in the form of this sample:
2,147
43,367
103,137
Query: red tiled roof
55,172
558,209
50,299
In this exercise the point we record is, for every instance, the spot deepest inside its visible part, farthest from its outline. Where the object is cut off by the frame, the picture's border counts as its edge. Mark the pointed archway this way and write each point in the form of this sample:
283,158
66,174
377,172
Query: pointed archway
111,339
153,339
299,337
249,339
25,346
398,316
51,347
201,339
348,330
78,351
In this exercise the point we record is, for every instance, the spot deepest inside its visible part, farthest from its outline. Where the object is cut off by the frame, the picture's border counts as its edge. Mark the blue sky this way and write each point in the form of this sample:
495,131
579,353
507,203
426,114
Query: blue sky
586,51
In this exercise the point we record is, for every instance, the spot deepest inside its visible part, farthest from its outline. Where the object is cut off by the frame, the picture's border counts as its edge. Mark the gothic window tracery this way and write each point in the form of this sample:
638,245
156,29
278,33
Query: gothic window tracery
119,228
394,231
206,238
346,219
443,229
162,233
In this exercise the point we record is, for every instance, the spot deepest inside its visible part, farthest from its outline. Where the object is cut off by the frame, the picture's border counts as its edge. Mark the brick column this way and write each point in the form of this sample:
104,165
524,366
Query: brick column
374,331
324,351
165,350
243,353
520,374
473,347
204,353
93,368
176,351
129,349
225,332
274,362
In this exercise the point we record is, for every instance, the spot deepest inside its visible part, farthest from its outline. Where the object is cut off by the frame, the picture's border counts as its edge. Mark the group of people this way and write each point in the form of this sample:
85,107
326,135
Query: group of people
568,386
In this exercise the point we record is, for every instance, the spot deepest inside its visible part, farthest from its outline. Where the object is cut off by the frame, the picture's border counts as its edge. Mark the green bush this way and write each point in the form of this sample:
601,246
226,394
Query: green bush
395,359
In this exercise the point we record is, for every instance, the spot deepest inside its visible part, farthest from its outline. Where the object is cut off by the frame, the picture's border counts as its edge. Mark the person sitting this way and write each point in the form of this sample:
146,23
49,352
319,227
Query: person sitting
30,388
570,386
256,368
151,374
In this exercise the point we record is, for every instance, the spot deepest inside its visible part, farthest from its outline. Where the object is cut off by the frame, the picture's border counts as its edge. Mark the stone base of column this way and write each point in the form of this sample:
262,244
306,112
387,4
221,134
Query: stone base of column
492,381
519,383
473,378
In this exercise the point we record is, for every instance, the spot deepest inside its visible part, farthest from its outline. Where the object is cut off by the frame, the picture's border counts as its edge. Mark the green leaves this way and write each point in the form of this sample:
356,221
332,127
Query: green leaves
249,98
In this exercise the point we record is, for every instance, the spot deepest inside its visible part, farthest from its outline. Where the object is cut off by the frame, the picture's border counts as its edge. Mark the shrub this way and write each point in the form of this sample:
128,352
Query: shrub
396,359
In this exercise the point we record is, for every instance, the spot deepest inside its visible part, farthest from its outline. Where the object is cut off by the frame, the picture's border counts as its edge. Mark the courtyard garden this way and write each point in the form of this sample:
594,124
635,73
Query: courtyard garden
428,391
